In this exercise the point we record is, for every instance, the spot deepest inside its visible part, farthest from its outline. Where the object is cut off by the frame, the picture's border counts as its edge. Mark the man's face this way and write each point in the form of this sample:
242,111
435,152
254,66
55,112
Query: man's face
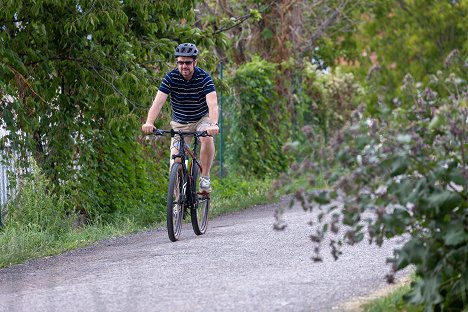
186,66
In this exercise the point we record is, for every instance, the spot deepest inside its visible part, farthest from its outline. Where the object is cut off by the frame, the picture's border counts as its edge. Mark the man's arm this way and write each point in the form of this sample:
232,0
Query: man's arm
154,111
213,112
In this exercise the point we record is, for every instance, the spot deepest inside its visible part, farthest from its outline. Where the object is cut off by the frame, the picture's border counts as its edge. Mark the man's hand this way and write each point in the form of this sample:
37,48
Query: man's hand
213,129
147,128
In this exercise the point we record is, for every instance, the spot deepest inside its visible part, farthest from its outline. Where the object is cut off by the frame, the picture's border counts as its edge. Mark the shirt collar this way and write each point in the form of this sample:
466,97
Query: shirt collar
196,72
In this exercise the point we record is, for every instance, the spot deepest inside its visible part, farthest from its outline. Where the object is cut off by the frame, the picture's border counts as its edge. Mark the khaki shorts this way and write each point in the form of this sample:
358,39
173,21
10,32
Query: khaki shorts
200,125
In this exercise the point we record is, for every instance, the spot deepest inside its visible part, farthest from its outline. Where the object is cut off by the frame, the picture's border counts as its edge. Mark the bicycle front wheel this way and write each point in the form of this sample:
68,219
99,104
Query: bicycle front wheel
199,213
175,202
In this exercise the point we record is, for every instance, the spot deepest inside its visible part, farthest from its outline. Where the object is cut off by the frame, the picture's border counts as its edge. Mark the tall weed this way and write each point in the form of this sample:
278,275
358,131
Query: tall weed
34,218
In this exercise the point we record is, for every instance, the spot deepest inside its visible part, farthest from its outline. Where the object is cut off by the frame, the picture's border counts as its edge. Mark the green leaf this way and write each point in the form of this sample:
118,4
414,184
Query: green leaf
399,166
412,252
437,122
444,201
425,292
256,15
456,176
456,234
322,199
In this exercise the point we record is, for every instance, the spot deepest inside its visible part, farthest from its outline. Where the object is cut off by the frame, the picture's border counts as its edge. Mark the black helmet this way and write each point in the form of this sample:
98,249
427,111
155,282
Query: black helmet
186,49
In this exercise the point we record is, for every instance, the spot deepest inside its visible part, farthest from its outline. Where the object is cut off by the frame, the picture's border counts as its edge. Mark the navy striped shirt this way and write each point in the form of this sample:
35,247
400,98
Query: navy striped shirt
188,98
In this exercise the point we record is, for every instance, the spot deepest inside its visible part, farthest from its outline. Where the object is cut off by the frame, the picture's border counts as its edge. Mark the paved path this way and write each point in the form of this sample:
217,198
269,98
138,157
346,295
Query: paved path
240,264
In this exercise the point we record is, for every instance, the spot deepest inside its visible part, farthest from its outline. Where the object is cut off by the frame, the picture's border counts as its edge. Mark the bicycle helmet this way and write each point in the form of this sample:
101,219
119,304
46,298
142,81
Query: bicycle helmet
186,49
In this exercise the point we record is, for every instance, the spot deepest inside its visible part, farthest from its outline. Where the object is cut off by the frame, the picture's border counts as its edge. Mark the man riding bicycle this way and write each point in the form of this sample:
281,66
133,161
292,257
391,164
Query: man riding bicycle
194,106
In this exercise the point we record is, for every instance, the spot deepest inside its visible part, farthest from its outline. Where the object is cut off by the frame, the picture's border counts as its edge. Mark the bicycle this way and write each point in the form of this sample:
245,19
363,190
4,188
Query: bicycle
182,194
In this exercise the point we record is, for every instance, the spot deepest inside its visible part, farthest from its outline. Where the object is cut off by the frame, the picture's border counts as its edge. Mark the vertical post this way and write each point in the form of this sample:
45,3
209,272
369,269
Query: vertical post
221,123
3,191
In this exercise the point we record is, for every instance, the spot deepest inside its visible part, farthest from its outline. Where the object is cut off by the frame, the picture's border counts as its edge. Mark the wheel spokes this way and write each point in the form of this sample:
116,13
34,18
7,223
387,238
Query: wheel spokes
178,204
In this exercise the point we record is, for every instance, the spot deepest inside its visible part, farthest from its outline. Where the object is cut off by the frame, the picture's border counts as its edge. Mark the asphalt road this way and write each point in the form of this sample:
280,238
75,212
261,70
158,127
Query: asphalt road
240,264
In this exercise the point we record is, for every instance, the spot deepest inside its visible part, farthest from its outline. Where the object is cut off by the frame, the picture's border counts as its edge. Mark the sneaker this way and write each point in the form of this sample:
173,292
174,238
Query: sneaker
205,185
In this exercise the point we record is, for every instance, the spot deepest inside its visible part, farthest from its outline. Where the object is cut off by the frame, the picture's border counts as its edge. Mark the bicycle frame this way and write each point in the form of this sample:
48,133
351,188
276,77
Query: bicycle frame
184,151
183,154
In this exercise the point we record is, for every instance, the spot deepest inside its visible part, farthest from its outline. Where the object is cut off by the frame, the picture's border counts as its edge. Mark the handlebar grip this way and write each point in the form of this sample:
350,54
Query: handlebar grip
159,132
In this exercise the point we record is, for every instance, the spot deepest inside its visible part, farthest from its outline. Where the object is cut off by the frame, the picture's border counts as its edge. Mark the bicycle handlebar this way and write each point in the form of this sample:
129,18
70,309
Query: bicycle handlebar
173,132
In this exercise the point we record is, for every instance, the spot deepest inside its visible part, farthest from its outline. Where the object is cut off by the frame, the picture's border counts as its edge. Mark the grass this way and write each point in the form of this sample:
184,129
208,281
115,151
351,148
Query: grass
21,243
236,194
35,227
393,302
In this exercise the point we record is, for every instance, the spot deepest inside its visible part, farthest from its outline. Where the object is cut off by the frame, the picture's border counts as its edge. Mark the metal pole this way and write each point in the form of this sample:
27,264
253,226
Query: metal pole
3,190
221,123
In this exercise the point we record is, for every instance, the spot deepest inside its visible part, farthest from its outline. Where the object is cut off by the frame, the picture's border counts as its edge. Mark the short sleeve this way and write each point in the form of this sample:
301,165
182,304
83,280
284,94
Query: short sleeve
165,86
208,85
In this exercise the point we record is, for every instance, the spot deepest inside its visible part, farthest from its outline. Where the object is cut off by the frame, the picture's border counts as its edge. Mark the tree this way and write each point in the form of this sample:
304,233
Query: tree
287,34
400,37
282,32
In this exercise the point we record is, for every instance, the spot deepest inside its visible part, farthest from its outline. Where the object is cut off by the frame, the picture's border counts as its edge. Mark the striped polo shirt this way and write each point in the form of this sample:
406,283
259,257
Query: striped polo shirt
188,98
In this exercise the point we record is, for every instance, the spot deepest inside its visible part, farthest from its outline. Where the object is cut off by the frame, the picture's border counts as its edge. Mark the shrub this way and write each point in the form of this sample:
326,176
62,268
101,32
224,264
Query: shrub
403,170
327,99
260,121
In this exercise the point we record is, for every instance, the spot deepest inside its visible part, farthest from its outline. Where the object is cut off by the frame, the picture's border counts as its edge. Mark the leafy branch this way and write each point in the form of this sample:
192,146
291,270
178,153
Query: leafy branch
238,21
20,77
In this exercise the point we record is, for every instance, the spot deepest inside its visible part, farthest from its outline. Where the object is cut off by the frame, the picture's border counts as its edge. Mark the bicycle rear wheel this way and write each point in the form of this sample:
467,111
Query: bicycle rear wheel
199,213
175,202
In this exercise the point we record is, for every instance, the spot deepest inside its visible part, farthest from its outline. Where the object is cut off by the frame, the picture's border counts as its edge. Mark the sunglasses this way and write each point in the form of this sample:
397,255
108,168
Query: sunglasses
184,62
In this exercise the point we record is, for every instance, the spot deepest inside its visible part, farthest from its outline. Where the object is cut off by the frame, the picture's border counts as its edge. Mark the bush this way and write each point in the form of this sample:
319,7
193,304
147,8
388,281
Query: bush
327,99
120,178
260,121
403,170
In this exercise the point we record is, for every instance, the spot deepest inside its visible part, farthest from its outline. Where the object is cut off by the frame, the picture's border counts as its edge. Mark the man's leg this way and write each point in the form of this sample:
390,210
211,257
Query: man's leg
175,140
207,147
207,151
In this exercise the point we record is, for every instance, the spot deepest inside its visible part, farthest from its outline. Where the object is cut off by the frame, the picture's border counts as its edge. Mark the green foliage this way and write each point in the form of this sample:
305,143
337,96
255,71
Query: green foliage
236,192
36,206
392,303
404,171
407,36
259,121
326,99
115,184
45,234
34,216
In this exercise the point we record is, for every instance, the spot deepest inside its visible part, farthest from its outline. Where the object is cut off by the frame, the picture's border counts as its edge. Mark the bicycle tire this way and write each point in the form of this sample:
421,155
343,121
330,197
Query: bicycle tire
175,202
199,213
